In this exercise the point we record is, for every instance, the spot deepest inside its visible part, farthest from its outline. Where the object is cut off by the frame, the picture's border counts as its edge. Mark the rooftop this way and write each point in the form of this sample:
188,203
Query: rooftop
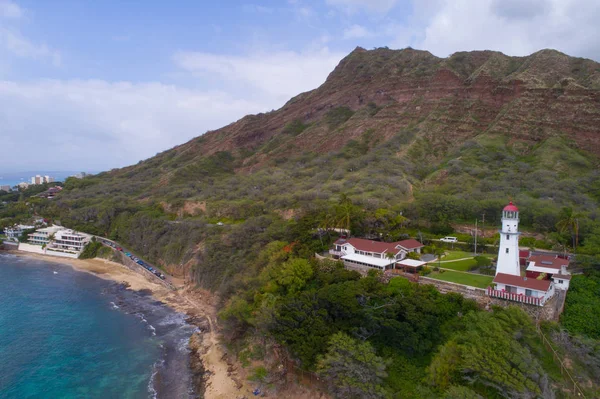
524,282
411,263
378,246
381,262
547,261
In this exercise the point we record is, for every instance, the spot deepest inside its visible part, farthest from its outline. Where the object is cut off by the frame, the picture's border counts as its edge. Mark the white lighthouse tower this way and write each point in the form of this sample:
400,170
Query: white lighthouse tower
508,254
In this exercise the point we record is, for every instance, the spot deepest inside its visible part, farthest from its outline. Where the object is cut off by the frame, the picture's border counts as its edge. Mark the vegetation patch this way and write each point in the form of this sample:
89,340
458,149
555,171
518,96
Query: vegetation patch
337,116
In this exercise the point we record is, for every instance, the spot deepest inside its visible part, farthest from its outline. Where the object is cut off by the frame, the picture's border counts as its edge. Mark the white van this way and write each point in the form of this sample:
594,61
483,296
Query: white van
449,239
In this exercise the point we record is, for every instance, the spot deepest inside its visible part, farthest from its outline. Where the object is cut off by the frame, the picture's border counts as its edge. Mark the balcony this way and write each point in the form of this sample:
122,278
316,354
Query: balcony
337,253
530,300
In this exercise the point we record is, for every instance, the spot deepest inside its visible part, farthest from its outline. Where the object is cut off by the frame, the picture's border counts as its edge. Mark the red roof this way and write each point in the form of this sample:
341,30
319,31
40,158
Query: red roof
411,243
523,282
511,207
549,261
378,246
524,254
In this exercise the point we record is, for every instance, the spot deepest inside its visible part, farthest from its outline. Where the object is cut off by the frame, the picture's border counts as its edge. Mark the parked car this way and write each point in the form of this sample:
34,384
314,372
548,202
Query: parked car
119,249
449,239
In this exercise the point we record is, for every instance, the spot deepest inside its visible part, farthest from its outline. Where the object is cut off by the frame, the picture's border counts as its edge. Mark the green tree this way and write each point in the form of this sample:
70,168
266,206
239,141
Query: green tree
569,223
495,350
352,369
293,274
483,261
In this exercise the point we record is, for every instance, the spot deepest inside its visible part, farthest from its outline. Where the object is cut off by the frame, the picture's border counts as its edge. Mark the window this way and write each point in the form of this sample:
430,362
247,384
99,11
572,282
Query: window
507,237
560,281
528,292
506,250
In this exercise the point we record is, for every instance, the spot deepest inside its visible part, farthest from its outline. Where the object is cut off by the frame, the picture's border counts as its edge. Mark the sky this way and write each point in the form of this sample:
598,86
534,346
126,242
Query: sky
93,85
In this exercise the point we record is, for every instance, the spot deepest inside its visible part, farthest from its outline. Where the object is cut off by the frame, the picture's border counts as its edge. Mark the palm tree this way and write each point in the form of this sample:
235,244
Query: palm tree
438,251
569,222
346,209
390,256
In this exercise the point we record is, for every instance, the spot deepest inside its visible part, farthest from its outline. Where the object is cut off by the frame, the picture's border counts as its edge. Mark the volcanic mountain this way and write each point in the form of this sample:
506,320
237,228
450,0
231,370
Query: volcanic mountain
440,138
454,99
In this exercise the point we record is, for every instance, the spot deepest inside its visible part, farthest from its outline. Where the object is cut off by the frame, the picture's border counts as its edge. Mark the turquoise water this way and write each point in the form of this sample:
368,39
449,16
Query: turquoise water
72,335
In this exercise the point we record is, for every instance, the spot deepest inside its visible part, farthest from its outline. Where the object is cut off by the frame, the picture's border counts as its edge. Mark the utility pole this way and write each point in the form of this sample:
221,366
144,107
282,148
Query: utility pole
475,236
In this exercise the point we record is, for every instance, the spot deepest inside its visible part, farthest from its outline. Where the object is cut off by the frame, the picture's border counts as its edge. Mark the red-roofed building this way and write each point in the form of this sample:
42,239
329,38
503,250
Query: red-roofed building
523,256
522,289
365,254
544,273
547,267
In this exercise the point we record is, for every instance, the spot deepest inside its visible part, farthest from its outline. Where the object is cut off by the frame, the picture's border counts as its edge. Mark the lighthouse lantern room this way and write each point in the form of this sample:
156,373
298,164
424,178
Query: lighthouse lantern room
508,253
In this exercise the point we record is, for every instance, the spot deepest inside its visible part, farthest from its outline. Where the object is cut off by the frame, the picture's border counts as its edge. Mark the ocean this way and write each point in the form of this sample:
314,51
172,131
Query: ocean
70,334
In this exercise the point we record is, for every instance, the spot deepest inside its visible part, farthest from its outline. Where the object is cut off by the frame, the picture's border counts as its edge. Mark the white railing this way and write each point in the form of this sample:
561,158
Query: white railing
530,300
337,253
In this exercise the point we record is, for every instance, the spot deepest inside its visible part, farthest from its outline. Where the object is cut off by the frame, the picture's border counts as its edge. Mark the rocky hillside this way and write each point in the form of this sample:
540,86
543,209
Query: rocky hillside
528,99
440,140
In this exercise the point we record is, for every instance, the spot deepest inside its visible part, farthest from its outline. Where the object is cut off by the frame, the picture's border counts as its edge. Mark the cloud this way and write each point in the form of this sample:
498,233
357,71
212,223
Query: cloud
353,6
13,43
255,8
519,9
94,124
16,44
279,75
356,32
515,27
8,9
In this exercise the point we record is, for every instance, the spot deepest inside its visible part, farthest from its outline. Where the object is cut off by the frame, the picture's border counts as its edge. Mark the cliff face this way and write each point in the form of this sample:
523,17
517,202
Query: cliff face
452,100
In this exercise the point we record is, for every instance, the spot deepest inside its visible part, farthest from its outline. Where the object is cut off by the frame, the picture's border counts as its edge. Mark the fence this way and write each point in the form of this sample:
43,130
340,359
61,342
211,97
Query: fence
529,300
563,370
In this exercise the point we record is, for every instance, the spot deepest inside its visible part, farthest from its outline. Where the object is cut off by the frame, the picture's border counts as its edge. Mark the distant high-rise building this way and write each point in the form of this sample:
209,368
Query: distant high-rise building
5,188
48,179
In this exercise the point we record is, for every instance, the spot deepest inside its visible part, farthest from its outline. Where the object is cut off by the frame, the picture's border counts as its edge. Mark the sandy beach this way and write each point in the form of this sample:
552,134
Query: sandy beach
219,381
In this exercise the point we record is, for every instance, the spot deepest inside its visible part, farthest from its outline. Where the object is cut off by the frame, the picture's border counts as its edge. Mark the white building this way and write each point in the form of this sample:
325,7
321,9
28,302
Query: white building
56,241
366,254
43,236
13,233
6,188
550,267
509,283
69,240
508,254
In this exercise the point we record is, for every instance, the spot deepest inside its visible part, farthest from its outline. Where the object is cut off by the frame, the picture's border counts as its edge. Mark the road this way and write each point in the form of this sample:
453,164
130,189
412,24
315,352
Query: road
168,278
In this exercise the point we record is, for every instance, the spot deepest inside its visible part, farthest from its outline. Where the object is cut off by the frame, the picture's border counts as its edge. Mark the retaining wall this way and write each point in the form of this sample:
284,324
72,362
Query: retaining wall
35,249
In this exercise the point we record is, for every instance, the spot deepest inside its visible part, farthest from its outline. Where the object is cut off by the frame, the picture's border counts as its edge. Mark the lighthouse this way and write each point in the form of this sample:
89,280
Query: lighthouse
508,254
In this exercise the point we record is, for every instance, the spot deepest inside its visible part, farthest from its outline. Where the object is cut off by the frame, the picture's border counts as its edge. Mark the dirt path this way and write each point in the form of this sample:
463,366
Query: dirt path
219,385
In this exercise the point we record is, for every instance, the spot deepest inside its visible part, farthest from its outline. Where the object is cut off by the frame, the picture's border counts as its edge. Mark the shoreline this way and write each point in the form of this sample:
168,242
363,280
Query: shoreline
208,365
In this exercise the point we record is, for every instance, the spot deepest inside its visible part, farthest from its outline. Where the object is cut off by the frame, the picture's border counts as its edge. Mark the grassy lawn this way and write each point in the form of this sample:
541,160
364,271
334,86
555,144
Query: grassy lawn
460,265
453,255
474,280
